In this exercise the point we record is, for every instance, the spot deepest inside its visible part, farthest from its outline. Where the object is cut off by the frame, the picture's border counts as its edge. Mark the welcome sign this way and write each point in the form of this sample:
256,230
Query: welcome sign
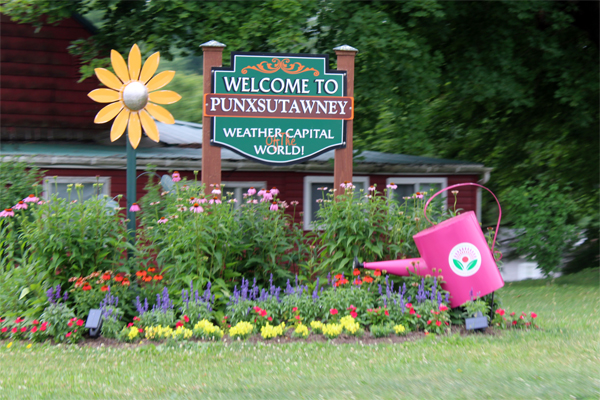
278,109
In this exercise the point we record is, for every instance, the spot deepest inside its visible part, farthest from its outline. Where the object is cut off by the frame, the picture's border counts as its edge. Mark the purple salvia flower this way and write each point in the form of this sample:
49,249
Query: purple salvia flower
447,297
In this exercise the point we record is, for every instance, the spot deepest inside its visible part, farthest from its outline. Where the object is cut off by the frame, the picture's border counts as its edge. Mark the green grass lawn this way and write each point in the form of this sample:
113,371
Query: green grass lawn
561,361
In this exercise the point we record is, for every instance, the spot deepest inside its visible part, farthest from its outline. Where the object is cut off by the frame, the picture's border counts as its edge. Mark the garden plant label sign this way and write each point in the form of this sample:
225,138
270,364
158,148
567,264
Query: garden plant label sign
278,109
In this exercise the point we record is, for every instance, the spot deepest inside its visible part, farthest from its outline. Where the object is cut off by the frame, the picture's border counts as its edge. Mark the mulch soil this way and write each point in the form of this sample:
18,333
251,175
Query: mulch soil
366,339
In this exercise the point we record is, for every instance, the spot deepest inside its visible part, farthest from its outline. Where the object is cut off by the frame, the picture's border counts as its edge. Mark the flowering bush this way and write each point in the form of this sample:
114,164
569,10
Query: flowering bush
111,315
181,333
158,332
350,325
317,326
162,312
269,332
241,330
207,331
400,330
130,334
301,331
369,225
76,330
58,314
197,307
331,331
435,318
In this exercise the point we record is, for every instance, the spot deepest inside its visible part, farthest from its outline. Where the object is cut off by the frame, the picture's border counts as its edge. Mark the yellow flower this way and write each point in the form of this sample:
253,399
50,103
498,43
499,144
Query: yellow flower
317,326
301,331
207,331
332,330
269,332
29,346
132,95
350,324
242,329
8,346
399,329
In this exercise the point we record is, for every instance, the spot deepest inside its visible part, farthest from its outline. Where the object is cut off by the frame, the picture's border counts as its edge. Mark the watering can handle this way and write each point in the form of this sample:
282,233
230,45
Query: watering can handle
469,184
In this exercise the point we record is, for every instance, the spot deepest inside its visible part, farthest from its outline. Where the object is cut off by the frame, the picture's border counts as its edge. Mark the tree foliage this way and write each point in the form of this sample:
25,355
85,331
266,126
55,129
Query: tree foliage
513,85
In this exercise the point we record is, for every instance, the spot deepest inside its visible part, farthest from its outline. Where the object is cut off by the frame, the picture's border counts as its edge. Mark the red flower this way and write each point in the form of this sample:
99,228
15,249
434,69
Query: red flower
514,322
356,272
125,282
438,323
104,288
24,329
178,324
86,287
158,277
353,314
295,309
2,320
256,309
426,333
19,320
358,282
129,325
106,277
412,311
14,330
377,272
447,323
443,308
297,317
351,308
533,315
42,328
70,323
3,330
270,318
35,322
69,334
500,311
367,279
512,314
521,317
119,278
409,305
79,322
140,273
333,311
418,316
147,279
136,318
140,330
429,322
263,313
151,269
386,312
186,318
339,276
34,329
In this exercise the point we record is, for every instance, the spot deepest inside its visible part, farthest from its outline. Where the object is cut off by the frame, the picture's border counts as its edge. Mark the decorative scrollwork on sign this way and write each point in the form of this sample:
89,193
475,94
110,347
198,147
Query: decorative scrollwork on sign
284,65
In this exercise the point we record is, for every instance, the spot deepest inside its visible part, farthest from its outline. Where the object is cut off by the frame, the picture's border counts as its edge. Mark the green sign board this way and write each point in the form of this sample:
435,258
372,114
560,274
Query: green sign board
278,109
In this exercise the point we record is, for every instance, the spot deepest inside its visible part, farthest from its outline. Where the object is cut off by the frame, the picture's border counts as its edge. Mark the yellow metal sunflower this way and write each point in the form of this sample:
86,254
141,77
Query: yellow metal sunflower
132,94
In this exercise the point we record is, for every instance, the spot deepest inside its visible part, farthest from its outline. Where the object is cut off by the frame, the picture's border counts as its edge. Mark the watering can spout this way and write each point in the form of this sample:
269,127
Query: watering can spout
397,267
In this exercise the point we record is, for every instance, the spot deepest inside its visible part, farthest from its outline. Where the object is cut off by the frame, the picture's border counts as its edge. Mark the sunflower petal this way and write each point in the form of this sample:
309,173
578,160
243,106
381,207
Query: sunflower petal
135,62
150,67
135,130
164,97
149,125
108,112
160,80
108,78
118,127
160,113
119,66
104,95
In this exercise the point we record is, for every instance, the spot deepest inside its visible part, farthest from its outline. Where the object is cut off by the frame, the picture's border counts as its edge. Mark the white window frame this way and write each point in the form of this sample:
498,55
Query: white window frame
415,180
324,180
238,185
50,180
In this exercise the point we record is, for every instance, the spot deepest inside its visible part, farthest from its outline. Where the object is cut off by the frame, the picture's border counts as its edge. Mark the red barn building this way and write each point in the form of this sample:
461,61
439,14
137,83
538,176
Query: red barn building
47,119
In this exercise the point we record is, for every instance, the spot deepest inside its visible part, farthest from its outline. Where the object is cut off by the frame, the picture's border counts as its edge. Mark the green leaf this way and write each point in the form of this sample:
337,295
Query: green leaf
471,265
458,264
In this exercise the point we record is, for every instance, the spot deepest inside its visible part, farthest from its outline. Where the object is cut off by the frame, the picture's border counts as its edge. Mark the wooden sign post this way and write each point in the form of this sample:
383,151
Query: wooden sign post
211,155
342,170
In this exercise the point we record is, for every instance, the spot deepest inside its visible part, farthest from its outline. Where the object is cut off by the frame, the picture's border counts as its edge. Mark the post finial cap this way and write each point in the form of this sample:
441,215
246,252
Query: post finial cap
212,43
345,47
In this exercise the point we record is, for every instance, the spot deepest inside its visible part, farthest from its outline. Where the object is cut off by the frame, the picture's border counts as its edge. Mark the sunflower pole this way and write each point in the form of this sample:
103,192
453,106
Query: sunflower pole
132,94
131,191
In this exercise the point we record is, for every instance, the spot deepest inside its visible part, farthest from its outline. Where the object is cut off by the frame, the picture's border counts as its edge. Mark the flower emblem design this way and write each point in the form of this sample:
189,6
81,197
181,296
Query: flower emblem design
464,259
132,94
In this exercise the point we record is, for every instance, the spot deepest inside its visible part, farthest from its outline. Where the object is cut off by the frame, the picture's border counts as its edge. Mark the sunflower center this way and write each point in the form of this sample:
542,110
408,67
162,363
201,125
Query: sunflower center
135,96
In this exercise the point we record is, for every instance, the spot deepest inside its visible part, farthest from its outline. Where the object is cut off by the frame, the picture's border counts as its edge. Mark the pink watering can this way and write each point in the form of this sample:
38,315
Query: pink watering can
457,247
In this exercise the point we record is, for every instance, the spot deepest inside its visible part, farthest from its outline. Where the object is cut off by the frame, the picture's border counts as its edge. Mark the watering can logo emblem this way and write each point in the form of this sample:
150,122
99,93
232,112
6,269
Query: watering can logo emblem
464,259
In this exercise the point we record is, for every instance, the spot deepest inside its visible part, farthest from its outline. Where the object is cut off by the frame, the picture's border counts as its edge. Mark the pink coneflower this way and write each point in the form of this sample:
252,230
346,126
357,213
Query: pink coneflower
294,202
193,200
176,177
31,199
267,195
454,192
8,212
20,205
261,192
232,201
274,206
135,207
392,185
274,191
251,191
202,200
215,200
371,188
196,208
419,195
181,207
319,200
254,201
216,190
162,220
41,202
284,205
155,203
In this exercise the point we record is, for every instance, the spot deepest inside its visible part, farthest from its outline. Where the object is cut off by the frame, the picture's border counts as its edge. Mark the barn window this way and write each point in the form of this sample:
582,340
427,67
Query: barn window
59,186
408,186
236,190
312,194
